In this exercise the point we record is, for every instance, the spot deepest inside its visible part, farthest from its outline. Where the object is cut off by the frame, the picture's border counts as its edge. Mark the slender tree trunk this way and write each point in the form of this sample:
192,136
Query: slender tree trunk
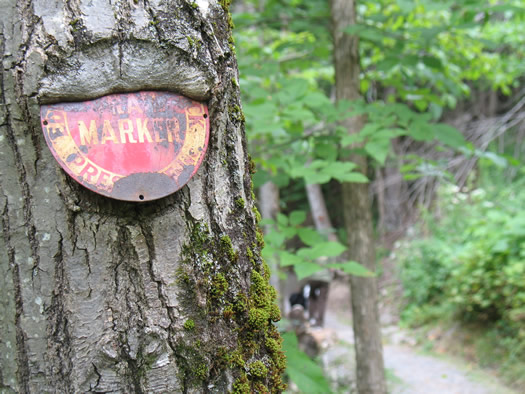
357,212
322,221
269,205
319,288
99,295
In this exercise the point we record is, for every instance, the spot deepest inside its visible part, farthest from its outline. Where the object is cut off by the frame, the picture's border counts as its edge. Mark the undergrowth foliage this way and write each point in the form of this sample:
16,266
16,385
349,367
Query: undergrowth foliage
470,266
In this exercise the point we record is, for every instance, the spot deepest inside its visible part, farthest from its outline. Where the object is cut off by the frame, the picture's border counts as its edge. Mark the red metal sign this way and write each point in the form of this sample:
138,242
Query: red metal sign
133,147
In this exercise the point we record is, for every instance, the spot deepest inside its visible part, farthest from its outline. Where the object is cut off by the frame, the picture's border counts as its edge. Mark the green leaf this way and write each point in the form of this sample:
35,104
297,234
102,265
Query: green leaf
350,139
306,269
297,217
317,100
410,60
302,370
501,246
337,167
352,268
449,135
268,252
309,236
496,159
266,222
370,129
421,131
274,238
317,178
324,249
506,7
289,232
282,219
406,6
352,177
378,149
367,33
326,150
433,62
288,259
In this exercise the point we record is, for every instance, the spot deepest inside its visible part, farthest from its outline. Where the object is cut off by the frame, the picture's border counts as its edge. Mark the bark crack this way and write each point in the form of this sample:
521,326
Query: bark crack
154,22
99,377
31,22
130,313
59,339
22,359
22,173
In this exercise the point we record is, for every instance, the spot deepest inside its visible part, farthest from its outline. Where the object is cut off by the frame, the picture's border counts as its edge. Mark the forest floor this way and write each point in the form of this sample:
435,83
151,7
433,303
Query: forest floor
411,369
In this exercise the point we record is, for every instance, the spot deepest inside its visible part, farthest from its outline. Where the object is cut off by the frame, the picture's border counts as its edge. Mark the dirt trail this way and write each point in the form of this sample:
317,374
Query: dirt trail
425,374
408,371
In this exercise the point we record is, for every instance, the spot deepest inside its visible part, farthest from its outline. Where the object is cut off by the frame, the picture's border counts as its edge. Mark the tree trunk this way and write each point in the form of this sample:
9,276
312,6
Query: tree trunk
319,288
269,206
357,213
99,295
322,221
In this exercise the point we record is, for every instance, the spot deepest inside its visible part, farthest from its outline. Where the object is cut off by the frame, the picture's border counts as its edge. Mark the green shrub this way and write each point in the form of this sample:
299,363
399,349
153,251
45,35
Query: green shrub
470,267
488,283
473,260
425,270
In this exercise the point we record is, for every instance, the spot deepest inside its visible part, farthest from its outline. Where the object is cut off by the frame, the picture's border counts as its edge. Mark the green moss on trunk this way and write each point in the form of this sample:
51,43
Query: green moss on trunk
214,296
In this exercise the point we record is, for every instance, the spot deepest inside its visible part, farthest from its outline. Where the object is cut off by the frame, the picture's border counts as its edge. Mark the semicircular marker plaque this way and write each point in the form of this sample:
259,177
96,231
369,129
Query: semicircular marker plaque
134,146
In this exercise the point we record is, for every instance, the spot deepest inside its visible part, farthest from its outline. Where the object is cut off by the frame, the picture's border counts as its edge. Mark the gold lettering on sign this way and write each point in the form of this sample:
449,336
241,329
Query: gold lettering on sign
108,133
128,130
88,137
142,129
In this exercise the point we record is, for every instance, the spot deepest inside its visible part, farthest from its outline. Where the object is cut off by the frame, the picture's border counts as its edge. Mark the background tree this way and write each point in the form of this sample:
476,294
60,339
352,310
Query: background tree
101,295
358,212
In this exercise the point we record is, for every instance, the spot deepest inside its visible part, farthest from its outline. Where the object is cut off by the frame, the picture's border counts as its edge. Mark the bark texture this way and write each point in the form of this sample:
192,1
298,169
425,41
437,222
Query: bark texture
357,213
98,295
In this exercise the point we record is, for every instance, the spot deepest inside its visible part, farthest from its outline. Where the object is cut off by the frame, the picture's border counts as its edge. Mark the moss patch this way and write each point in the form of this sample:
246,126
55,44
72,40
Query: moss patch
189,325
214,295
258,370
240,203
219,285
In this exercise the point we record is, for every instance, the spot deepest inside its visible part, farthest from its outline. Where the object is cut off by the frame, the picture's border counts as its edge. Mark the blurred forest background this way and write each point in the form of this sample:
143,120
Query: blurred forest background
442,103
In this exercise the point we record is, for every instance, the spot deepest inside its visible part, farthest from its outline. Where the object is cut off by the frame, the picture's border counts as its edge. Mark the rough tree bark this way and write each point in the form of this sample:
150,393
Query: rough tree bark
98,295
357,212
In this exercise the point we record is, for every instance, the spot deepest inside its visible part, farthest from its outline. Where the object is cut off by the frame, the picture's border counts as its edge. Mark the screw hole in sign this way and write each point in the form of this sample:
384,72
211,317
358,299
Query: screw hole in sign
121,145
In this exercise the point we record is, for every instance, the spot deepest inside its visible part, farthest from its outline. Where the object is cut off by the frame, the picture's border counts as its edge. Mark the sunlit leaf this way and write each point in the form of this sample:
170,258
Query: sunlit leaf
309,236
378,149
289,259
448,135
302,370
324,249
306,269
297,217
352,177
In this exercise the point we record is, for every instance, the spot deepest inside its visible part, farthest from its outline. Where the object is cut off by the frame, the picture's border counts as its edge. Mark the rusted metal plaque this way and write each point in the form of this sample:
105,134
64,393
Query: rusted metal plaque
134,147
